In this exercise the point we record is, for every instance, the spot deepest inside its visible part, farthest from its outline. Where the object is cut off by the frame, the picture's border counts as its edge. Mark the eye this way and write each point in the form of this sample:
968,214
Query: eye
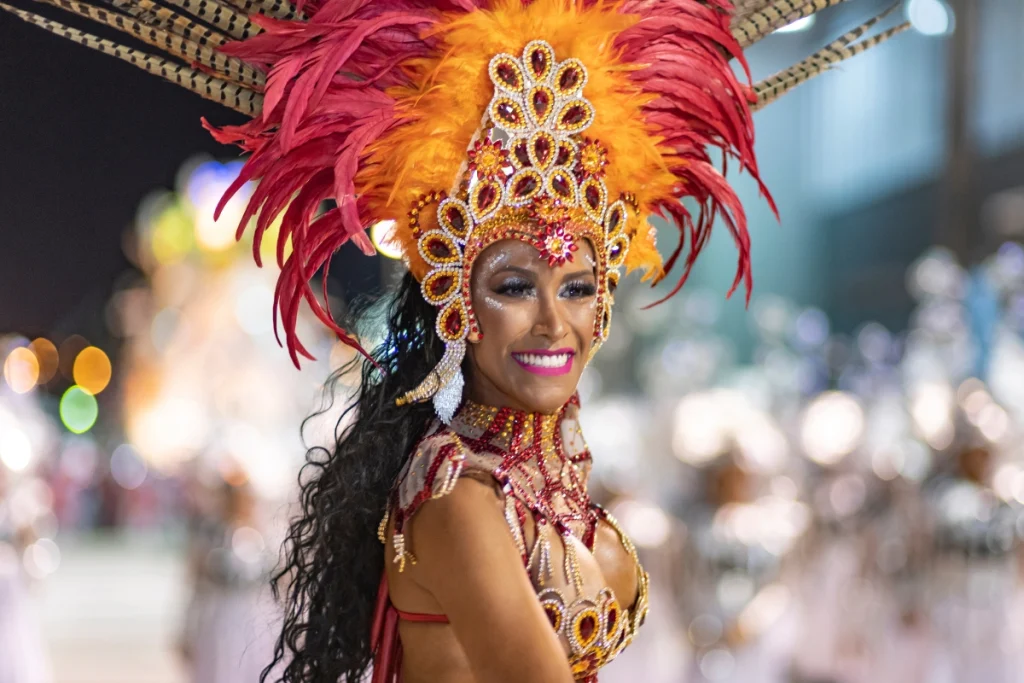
578,289
514,287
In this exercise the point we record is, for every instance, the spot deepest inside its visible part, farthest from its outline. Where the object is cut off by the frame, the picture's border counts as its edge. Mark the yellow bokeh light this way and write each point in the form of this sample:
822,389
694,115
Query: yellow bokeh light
46,354
382,233
92,370
21,370
172,236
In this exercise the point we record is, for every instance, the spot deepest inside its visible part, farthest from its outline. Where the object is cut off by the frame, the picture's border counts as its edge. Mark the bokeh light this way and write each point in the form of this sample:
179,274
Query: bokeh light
41,558
92,370
78,410
46,354
382,234
172,236
21,370
832,427
15,448
931,17
127,468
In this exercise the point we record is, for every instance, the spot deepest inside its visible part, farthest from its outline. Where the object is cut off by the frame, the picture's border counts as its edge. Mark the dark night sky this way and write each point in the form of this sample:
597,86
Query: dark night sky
83,137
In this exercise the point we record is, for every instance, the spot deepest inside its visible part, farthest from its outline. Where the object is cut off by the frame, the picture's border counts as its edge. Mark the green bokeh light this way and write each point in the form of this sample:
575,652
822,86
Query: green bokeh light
78,410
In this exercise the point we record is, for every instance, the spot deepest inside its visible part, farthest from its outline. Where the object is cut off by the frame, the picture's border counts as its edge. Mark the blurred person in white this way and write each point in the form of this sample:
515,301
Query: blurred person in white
973,576
22,657
230,624
735,588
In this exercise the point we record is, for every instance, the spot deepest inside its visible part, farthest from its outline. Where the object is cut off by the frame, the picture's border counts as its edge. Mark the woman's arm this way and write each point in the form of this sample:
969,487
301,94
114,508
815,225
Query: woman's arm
468,561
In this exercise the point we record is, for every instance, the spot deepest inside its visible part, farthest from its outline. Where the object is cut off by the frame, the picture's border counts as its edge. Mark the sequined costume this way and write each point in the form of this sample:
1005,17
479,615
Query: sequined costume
541,464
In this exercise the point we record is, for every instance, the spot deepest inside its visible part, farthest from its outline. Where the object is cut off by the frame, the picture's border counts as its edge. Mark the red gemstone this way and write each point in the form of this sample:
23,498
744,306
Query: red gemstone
521,156
508,112
439,249
613,616
569,78
575,115
593,196
508,75
441,285
560,185
525,186
456,219
453,323
563,155
541,102
538,62
587,626
485,198
613,222
542,149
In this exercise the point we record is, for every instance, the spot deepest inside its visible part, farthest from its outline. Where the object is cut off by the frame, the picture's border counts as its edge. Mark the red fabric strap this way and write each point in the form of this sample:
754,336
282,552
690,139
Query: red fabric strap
387,647
419,616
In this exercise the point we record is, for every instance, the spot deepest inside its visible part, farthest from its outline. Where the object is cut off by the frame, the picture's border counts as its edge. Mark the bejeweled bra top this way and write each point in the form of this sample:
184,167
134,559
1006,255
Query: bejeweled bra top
541,463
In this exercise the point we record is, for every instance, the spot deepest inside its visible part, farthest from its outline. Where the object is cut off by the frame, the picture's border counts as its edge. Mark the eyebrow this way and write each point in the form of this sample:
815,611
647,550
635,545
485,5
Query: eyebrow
531,274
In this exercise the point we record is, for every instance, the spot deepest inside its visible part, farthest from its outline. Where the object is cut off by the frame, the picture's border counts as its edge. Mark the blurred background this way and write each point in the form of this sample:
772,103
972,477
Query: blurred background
826,487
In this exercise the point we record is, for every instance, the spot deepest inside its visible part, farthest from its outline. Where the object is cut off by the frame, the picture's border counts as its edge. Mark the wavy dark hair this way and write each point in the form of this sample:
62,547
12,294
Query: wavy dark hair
332,560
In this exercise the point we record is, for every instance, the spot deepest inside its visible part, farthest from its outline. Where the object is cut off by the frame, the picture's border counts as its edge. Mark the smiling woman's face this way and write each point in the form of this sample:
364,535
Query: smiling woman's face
537,326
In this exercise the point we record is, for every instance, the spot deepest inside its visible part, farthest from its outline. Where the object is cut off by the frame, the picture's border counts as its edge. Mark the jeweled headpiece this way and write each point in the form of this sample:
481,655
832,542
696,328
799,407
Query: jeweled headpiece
531,175
470,121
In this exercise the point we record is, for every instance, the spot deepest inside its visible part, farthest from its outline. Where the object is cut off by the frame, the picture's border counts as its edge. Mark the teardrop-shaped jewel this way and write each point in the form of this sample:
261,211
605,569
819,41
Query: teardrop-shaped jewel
523,186
575,116
451,322
617,251
541,100
522,156
570,77
440,285
438,249
565,154
538,57
506,73
485,199
614,219
542,149
508,114
453,216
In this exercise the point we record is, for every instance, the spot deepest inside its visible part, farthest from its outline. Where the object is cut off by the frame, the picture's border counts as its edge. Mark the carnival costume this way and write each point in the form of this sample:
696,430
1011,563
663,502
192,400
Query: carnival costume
467,122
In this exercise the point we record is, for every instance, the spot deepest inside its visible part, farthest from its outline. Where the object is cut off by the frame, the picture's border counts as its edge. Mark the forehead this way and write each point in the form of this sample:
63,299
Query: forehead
514,252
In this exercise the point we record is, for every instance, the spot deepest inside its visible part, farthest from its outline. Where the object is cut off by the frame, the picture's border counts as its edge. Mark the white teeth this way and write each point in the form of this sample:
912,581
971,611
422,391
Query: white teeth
557,361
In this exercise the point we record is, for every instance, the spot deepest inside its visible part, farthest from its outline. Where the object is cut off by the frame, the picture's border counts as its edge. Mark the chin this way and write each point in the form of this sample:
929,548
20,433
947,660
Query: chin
545,400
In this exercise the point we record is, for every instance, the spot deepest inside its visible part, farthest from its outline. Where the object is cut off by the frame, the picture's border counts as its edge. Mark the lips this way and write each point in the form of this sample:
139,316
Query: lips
544,362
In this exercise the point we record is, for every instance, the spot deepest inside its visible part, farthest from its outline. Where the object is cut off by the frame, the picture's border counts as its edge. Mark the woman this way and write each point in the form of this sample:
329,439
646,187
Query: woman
520,149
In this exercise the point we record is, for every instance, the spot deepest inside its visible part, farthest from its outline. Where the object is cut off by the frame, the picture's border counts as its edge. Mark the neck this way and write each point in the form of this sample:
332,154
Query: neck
516,430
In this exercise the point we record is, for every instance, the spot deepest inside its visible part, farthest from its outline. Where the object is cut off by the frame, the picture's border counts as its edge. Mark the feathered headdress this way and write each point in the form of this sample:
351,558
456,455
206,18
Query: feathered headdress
468,121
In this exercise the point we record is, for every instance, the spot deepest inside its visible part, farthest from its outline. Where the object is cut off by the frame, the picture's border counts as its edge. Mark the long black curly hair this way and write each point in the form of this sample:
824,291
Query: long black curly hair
332,558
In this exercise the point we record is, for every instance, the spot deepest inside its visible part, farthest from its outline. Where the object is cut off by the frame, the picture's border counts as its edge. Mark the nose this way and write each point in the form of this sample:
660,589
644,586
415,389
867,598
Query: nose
550,321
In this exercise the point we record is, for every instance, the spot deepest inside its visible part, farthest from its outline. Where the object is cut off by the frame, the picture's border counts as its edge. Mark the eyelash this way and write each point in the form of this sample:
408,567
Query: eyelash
577,289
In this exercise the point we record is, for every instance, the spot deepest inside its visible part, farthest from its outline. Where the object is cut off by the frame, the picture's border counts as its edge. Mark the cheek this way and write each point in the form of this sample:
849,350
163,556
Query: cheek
501,322
583,317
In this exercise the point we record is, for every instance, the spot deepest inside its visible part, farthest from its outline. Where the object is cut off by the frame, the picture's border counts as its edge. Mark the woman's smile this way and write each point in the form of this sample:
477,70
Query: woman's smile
547,363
